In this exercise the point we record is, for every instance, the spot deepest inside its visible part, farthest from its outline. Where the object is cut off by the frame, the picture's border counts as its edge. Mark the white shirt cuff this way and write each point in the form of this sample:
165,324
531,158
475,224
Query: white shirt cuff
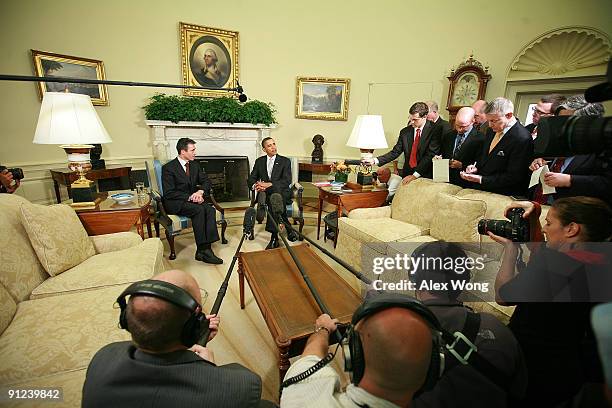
416,174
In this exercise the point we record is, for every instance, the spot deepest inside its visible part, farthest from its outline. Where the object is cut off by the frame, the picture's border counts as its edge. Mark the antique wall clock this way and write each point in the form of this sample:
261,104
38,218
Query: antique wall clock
468,83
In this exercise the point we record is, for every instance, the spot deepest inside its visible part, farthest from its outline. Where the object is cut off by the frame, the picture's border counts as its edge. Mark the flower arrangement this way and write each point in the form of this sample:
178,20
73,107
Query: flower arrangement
340,171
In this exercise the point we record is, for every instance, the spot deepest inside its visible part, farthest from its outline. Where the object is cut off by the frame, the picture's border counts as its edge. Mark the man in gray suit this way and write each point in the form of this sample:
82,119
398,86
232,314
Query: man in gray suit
157,368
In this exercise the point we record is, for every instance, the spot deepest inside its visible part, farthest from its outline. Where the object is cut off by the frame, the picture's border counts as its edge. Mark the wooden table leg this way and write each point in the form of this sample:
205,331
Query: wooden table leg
149,228
339,213
319,218
57,191
283,356
156,225
241,282
140,229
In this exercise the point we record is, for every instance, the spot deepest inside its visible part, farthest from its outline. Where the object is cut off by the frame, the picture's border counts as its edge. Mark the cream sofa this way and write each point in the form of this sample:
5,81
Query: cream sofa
51,326
423,211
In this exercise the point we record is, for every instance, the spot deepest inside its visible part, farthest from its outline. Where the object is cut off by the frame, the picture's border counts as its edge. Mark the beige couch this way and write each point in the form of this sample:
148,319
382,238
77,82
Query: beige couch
423,211
51,326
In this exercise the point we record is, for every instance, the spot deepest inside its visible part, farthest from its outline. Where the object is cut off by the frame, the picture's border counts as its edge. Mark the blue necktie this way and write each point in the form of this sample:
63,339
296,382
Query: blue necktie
458,142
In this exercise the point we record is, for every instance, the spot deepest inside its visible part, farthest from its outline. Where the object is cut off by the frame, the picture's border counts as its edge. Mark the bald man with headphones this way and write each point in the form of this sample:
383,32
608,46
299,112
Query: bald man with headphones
392,351
163,366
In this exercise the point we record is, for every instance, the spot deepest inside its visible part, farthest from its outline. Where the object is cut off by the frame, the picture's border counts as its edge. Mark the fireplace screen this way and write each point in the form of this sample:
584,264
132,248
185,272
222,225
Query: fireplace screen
228,176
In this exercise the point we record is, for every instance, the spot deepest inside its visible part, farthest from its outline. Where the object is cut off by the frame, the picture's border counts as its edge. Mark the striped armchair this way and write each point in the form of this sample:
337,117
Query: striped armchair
174,224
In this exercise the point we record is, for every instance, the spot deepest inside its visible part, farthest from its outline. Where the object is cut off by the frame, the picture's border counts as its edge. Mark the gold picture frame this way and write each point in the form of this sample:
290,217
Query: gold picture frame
48,64
322,98
209,58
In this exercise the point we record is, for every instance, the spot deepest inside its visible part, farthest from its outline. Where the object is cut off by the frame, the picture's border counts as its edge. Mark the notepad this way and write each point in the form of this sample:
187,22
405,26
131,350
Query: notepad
538,177
440,170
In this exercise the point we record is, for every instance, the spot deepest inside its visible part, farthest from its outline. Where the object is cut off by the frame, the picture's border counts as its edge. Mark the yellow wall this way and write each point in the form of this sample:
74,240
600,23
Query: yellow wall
403,49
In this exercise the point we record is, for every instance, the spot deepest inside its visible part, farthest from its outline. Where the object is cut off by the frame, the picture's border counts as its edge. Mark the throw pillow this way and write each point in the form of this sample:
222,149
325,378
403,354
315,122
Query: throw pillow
57,235
456,219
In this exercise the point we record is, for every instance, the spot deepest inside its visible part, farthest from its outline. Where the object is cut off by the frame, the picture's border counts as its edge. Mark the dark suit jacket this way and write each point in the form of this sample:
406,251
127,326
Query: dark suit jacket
590,177
429,146
281,175
443,125
178,187
506,169
468,153
119,375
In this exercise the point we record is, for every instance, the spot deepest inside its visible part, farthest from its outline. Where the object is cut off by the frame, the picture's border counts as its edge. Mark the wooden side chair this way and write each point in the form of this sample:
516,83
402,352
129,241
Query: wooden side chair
174,224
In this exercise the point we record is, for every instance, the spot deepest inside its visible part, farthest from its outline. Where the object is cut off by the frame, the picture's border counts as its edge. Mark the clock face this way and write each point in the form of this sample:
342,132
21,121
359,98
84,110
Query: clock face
465,92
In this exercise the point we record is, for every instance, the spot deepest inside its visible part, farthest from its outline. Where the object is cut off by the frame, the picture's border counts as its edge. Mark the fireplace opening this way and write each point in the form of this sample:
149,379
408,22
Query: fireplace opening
228,176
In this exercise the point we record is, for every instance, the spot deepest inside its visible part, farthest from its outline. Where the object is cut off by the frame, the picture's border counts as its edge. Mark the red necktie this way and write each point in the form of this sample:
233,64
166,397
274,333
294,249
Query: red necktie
187,169
415,146
538,196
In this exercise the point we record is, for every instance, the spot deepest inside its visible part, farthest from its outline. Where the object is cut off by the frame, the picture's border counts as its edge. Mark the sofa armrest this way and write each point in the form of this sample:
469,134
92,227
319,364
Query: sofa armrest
378,212
115,242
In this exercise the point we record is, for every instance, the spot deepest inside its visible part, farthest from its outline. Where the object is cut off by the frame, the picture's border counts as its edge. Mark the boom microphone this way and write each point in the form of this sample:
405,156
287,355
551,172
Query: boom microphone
248,224
277,204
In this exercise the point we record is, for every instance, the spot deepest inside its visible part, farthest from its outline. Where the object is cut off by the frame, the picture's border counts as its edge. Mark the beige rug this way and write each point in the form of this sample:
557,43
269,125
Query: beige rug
244,337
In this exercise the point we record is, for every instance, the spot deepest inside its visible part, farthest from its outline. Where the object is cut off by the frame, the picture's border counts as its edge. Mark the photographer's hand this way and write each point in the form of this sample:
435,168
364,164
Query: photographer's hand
528,206
204,352
6,178
213,324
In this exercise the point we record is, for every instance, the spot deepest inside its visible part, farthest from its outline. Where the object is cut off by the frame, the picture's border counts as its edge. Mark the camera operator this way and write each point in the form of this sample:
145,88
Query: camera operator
162,366
576,175
465,385
554,334
8,183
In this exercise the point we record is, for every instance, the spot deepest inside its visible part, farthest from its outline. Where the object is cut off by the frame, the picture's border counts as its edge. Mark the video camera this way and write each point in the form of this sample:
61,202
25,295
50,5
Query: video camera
563,136
16,172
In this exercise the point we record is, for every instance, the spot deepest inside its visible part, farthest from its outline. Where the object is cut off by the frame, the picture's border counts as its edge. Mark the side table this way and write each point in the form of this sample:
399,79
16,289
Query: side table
67,176
108,217
349,200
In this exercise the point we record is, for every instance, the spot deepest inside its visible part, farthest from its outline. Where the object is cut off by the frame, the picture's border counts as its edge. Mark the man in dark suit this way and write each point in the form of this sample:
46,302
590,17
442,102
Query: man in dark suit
480,118
184,184
543,109
503,166
157,368
436,119
461,146
272,174
417,155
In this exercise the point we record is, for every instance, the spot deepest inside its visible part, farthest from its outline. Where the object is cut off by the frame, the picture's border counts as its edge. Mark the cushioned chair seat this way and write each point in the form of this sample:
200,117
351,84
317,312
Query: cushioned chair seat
71,383
63,333
128,265
379,230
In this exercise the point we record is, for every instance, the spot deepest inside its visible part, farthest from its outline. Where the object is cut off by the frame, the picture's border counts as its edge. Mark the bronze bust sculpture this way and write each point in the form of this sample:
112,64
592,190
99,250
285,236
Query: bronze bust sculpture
317,153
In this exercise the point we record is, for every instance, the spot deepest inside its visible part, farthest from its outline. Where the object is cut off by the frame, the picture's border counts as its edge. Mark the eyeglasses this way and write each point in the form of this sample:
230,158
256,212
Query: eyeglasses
539,112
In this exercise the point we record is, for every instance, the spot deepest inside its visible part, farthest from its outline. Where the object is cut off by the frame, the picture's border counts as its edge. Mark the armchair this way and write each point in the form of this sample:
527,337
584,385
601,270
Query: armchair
295,210
174,224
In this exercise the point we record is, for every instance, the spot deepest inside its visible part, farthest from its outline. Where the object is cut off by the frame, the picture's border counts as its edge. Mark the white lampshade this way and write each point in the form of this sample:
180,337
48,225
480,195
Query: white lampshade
69,118
368,133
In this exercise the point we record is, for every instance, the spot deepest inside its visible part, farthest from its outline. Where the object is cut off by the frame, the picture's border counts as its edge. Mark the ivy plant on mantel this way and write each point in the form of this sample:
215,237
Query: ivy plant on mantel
195,109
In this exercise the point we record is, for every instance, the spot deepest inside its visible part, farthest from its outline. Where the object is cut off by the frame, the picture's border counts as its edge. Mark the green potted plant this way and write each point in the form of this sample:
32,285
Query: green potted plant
340,171
196,109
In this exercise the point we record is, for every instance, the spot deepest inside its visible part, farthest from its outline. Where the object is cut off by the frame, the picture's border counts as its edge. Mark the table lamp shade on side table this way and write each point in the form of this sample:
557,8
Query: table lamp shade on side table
368,134
70,120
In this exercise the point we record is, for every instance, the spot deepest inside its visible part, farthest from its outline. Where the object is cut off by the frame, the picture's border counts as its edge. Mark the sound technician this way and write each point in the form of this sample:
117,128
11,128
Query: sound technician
394,334
162,366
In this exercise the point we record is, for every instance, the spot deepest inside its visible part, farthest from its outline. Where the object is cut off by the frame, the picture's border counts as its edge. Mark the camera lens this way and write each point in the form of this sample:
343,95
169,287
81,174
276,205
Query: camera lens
497,227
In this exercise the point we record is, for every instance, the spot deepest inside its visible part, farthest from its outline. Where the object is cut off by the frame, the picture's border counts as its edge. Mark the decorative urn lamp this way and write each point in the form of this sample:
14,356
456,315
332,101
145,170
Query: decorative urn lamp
70,120
368,134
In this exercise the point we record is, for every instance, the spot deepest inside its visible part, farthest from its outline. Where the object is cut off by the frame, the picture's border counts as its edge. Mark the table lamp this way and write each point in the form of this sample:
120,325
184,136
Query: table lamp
70,120
368,134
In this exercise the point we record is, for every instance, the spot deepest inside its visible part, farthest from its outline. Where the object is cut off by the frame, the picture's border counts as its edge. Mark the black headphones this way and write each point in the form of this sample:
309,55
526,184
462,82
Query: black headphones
354,361
196,323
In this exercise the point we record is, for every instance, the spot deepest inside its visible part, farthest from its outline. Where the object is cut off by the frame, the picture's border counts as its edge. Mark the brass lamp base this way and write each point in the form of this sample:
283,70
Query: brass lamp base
83,190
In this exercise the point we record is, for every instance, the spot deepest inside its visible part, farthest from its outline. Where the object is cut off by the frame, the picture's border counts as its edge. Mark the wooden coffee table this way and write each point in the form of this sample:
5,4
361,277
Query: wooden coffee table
108,217
349,200
285,301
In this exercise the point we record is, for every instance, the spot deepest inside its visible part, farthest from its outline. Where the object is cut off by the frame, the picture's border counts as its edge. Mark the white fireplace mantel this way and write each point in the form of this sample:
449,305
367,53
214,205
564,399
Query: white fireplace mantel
212,139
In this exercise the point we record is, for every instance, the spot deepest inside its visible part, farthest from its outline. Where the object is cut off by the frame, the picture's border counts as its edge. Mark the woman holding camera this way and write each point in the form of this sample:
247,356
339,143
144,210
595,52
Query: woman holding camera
554,294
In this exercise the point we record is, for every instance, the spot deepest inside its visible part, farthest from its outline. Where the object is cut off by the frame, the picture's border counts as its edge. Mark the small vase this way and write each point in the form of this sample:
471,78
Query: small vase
341,177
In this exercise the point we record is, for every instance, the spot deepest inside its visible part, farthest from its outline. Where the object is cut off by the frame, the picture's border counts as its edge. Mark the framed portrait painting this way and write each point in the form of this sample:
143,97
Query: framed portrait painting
209,58
322,98
47,64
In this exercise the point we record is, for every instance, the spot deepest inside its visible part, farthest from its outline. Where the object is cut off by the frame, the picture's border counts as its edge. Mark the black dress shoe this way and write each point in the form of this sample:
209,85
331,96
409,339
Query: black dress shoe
292,235
207,256
273,243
